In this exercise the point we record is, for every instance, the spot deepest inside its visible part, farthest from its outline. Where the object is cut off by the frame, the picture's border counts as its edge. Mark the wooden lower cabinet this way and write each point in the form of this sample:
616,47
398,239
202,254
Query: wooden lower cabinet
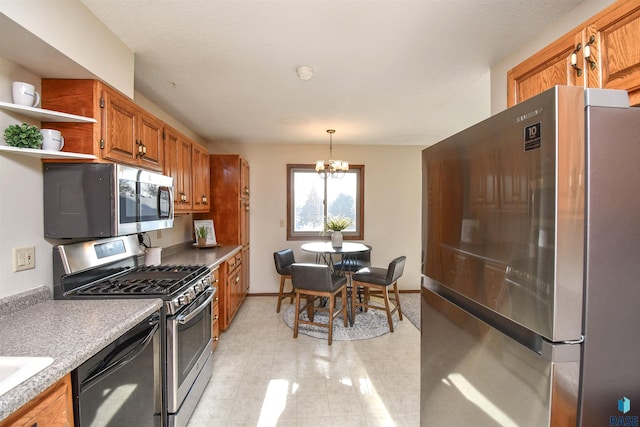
215,321
232,290
53,407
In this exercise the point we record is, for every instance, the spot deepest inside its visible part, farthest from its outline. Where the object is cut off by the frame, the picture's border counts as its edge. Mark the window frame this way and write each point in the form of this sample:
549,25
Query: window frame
358,234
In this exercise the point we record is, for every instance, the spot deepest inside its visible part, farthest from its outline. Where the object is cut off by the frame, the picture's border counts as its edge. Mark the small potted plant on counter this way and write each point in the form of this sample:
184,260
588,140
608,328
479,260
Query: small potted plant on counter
23,136
201,233
336,224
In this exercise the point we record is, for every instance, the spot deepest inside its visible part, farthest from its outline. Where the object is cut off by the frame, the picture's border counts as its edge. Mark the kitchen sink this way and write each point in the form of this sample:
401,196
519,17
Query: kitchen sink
15,370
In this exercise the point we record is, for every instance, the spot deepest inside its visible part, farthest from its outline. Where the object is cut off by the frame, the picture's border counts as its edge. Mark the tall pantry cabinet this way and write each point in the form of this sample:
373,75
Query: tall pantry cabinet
229,187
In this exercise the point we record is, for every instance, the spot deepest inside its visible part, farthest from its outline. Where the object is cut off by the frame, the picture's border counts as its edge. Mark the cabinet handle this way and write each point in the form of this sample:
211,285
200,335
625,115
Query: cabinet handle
246,190
204,199
574,59
215,338
587,52
215,317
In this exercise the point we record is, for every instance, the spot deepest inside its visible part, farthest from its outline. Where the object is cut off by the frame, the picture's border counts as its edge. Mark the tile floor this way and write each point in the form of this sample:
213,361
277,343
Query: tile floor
264,377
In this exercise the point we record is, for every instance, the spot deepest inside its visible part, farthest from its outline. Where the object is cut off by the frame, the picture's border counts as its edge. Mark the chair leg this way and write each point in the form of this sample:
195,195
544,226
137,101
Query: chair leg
385,296
395,291
354,293
332,302
295,323
280,293
344,306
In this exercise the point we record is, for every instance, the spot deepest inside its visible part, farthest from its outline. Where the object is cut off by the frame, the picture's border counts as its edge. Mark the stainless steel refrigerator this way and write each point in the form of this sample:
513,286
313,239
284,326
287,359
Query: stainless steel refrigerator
531,266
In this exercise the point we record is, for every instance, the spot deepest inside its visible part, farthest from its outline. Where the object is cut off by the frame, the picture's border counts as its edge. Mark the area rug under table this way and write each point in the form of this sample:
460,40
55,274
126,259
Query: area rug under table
370,324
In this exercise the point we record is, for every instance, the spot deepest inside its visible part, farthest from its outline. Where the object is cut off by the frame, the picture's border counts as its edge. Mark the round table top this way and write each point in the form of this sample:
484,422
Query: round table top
326,247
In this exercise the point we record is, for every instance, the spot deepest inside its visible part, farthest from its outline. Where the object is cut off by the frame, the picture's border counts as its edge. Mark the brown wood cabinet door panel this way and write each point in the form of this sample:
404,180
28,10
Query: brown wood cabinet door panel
150,135
201,194
119,128
619,36
52,408
547,68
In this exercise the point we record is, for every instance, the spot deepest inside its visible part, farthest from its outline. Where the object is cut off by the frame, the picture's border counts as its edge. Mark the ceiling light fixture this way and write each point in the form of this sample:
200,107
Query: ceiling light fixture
304,72
332,168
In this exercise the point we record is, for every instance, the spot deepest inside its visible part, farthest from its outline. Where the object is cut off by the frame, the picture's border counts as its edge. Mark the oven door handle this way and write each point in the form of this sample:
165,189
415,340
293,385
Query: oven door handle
111,367
182,319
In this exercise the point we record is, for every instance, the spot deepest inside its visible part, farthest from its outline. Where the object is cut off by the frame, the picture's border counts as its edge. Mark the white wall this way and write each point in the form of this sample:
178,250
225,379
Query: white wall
568,22
392,203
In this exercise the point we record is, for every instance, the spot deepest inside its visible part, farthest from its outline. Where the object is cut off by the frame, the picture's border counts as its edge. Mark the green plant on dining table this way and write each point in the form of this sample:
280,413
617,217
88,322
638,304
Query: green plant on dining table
337,223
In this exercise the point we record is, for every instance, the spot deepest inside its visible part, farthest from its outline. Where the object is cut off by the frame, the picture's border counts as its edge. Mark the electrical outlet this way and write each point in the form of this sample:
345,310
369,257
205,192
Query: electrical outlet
24,258
282,223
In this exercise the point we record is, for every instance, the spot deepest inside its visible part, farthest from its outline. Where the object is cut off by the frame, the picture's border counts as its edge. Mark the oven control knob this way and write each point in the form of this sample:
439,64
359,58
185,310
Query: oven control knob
198,288
183,299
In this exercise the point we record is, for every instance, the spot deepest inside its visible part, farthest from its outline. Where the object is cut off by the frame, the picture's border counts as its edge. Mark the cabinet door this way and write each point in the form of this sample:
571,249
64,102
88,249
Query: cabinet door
617,41
184,166
215,321
53,407
150,136
119,128
549,67
201,194
171,163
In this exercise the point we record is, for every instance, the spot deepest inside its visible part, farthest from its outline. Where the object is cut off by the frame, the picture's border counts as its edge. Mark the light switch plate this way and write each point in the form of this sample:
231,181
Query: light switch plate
24,258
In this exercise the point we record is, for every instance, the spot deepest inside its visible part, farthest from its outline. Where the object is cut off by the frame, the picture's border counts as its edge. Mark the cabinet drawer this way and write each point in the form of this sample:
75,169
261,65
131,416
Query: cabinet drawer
234,262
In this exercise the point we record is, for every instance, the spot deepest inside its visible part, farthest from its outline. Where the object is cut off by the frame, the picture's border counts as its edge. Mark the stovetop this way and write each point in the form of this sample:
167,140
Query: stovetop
157,280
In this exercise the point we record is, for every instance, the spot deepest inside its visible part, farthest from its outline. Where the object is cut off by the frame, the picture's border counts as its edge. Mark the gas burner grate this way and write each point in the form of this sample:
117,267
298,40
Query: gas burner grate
147,280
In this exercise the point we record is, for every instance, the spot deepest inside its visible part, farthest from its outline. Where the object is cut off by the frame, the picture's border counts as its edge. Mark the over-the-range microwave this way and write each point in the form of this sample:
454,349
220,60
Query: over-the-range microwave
95,200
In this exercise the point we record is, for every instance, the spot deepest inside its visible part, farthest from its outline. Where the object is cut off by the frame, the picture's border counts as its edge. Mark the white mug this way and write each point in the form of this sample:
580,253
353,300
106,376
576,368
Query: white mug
52,139
153,256
25,94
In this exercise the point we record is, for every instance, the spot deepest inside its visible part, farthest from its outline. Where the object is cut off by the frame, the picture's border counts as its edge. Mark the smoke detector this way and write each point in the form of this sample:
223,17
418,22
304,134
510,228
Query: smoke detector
304,72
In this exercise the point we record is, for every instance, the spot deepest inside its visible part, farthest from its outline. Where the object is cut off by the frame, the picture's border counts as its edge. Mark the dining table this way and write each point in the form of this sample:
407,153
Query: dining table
325,252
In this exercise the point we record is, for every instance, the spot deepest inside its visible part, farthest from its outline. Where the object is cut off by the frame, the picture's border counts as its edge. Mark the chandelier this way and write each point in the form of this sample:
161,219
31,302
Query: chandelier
332,168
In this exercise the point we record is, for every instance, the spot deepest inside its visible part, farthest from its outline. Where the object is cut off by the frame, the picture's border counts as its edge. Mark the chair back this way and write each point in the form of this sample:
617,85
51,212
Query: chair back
396,268
283,260
311,277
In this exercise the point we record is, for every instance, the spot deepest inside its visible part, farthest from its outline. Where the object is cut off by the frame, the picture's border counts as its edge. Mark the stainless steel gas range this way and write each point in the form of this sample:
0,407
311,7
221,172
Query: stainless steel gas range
109,268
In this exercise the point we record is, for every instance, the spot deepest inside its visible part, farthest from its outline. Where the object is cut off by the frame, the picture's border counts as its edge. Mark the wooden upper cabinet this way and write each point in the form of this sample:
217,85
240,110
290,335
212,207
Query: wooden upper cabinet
130,134
618,33
604,52
201,193
178,165
188,164
546,69
123,133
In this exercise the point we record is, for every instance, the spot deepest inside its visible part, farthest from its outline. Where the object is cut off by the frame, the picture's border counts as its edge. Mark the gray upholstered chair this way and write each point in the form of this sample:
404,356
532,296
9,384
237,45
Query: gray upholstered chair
315,281
375,280
283,260
355,262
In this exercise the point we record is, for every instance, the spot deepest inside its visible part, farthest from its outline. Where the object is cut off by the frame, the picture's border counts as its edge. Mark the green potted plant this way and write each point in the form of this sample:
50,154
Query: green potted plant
23,136
201,233
336,224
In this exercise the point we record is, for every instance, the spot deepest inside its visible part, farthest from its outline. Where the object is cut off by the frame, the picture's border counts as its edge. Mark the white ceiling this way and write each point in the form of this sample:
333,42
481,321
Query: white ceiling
386,71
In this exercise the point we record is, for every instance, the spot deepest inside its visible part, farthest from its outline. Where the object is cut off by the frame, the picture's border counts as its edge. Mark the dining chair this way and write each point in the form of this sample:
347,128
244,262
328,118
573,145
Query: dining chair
315,281
376,281
352,263
283,260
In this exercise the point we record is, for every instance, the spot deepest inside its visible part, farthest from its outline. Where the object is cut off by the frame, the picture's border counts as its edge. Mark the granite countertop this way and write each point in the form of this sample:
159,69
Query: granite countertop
71,331
211,257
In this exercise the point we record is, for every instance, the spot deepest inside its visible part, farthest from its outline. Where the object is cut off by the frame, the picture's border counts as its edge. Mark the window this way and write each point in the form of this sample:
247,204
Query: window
311,199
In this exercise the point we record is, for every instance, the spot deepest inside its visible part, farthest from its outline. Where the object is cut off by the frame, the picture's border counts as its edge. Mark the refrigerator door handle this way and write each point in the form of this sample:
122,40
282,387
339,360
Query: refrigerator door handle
566,351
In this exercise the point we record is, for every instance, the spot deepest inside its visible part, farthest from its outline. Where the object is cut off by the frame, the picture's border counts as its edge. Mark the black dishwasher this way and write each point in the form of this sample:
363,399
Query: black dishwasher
121,384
